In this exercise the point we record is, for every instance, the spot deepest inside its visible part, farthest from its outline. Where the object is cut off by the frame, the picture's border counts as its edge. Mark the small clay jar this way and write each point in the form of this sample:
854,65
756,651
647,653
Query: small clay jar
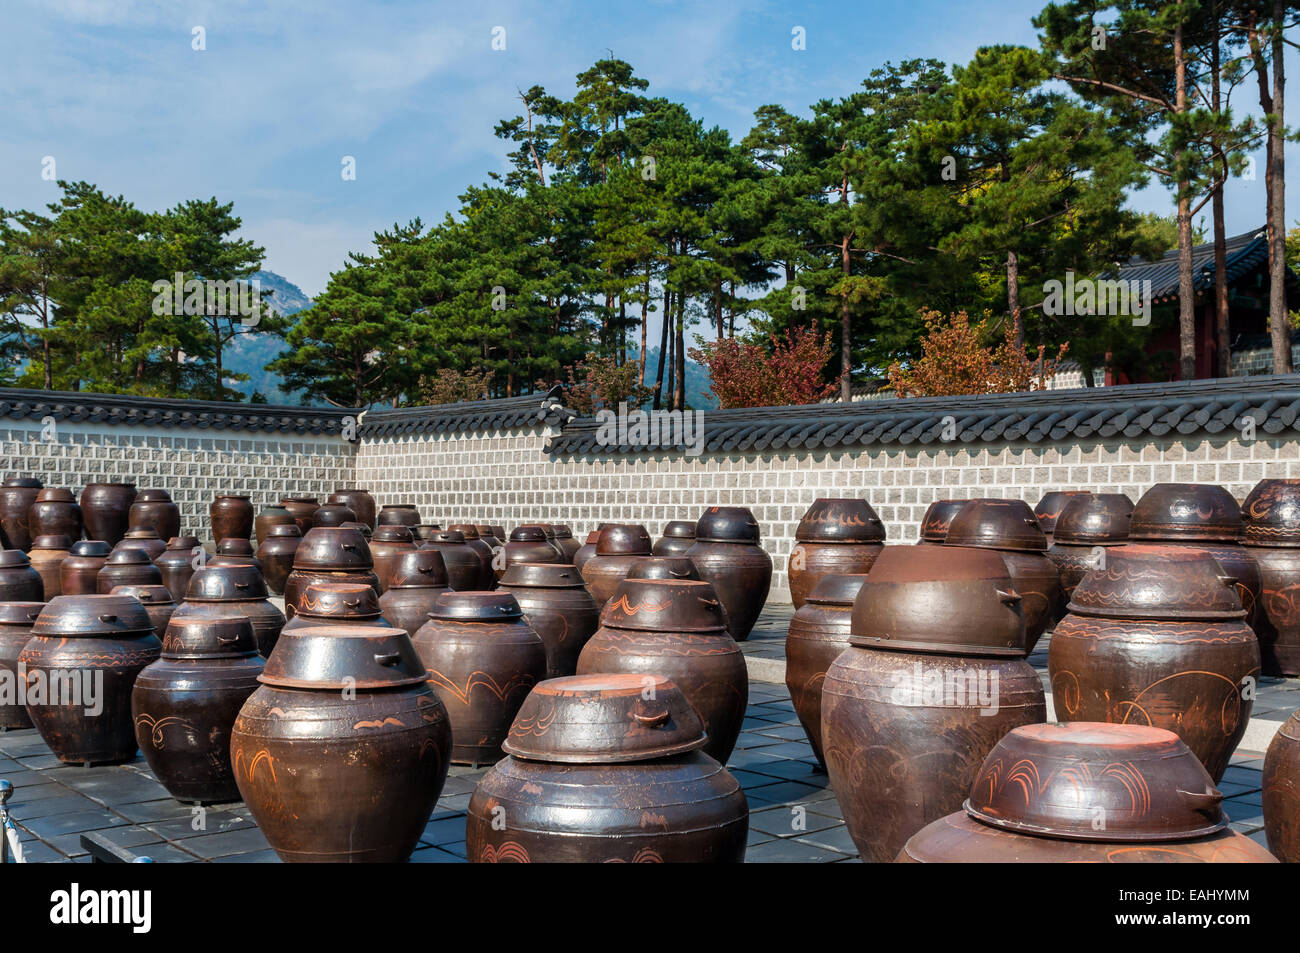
55,513
336,603
678,537
301,509
485,552
568,545
177,563
47,556
398,514
219,592
155,510
835,537
106,508
19,582
80,571
329,554
127,567
558,607
527,544
387,545
271,516
276,554
233,551
664,567
618,548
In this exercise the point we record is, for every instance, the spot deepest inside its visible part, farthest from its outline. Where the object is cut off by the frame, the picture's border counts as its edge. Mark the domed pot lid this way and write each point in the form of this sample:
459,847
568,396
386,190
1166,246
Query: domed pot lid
604,719
997,524
228,583
91,547
1150,581
147,595
29,483
333,547
337,600
233,546
431,534
952,601
472,606
726,524
55,494
152,496
664,605
420,569
679,529
938,517
392,533
664,567
840,521
468,530
20,613
1186,511
290,529
56,541
527,534
73,617
1272,514
9,558
1048,510
332,657
541,576
313,500
838,589
563,532
129,556
201,637
1095,518
1096,782
623,539
425,531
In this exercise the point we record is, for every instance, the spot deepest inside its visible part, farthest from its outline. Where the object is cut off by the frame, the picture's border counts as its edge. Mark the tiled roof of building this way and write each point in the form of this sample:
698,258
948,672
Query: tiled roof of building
525,411
1245,253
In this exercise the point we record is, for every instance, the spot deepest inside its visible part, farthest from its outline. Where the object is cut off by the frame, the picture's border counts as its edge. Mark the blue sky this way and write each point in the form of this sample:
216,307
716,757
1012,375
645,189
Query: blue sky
264,116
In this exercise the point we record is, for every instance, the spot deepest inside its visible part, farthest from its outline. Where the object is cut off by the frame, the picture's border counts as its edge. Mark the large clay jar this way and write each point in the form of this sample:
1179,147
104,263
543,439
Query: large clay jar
142,538
360,502
419,578
1206,517
728,556
935,674
1010,528
276,553
482,659
1086,528
835,537
1049,509
675,629
1272,536
466,569
938,517
329,554
1157,637
177,564
1281,795
185,704
341,753
619,547
157,602
219,592
17,495
333,514
398,514
1087,793
527,544
271,516
335,603
79,574
677,539
558,607
568,545
103,643
155,510
817,636
301,509
16,620
387,545
55,513
588,549
591,758
485,552
106,510
47,555
127,567
231,515
19,582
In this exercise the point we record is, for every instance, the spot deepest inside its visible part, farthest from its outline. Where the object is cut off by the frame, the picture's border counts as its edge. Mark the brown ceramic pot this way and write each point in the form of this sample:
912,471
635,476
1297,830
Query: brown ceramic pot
333,514
398,514
341,753
155,510
231,515
360,502
333,603
177,563
568,545
157,601
17,495
19,582
486,534
145,539
1281,795
387,545
527,544
329,554
55,513
938,517
301,509
467,570
677,538
16,620
106,509
233,551
558,607
586,550
219,592
127,567
835,537
678,630
590,759
268,517
1158,637
619,547
1272,537
1086,527
1049,509
47,556
664,567
485,552
482,659
276,554
80,571
419,578
727,554
103,642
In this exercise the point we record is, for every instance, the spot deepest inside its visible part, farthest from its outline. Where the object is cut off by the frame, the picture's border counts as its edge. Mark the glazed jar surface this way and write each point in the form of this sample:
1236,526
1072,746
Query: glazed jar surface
1281,794
55,513
17,495
231,516
558,607
106,509
155,510
16,620
835,537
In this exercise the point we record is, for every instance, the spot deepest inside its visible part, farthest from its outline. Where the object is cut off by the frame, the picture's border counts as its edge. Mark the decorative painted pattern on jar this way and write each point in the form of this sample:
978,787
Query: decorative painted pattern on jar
558,607
1272,537
727,554
1049,509
333,603
106,509
16,621
329,554
590,759
835,537
1087,526
619,546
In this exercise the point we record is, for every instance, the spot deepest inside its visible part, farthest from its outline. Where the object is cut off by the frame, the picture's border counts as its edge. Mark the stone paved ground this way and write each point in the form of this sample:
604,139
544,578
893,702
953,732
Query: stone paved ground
54,803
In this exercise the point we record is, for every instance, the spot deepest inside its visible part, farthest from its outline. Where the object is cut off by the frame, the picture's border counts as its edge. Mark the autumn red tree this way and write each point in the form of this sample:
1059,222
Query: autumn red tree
747,374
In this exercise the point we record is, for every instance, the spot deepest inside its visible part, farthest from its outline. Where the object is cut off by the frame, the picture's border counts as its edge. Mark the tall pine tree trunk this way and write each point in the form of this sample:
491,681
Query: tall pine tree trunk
1279,324
846,336
679,393
645,318
1224,363
663,347
1013,297
1186,287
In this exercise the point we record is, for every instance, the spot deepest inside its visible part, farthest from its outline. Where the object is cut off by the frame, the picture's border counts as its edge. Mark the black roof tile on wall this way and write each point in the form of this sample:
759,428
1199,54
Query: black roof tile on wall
530,410
1135,411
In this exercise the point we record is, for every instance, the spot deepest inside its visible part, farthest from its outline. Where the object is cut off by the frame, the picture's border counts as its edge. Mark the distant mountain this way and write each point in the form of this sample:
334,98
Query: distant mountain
286,297
697,380
250,353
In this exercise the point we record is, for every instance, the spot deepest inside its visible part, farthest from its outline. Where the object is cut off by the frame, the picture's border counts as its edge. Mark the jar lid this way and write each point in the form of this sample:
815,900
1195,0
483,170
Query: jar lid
837,589
1096,782
29,483
1150,581
664,567
563,532
1049,508
1184,511
623,539
91,547
664,605
604,719
285,529
55,494
432,534
233,496
202,637
541,576
951,600
419,569
1095,518
331,657
152,496
228,583
9,558
938,517
234,546
831,520
679,529
472,606
90,616
337,600
141,532
20,613
468,530
392,533
129,556
727,524
527,534
1272,514
300,499
997,524
333,547
147,595
54,541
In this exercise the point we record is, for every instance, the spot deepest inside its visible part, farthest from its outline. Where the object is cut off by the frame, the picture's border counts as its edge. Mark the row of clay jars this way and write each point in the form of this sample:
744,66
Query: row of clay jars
219,592
934,676
835,537
418,577
590,759
1271,536
727,554
329,554
16,621
556,603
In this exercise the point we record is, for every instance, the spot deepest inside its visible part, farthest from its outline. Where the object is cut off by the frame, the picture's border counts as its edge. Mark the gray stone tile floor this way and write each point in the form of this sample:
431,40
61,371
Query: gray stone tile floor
794,817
